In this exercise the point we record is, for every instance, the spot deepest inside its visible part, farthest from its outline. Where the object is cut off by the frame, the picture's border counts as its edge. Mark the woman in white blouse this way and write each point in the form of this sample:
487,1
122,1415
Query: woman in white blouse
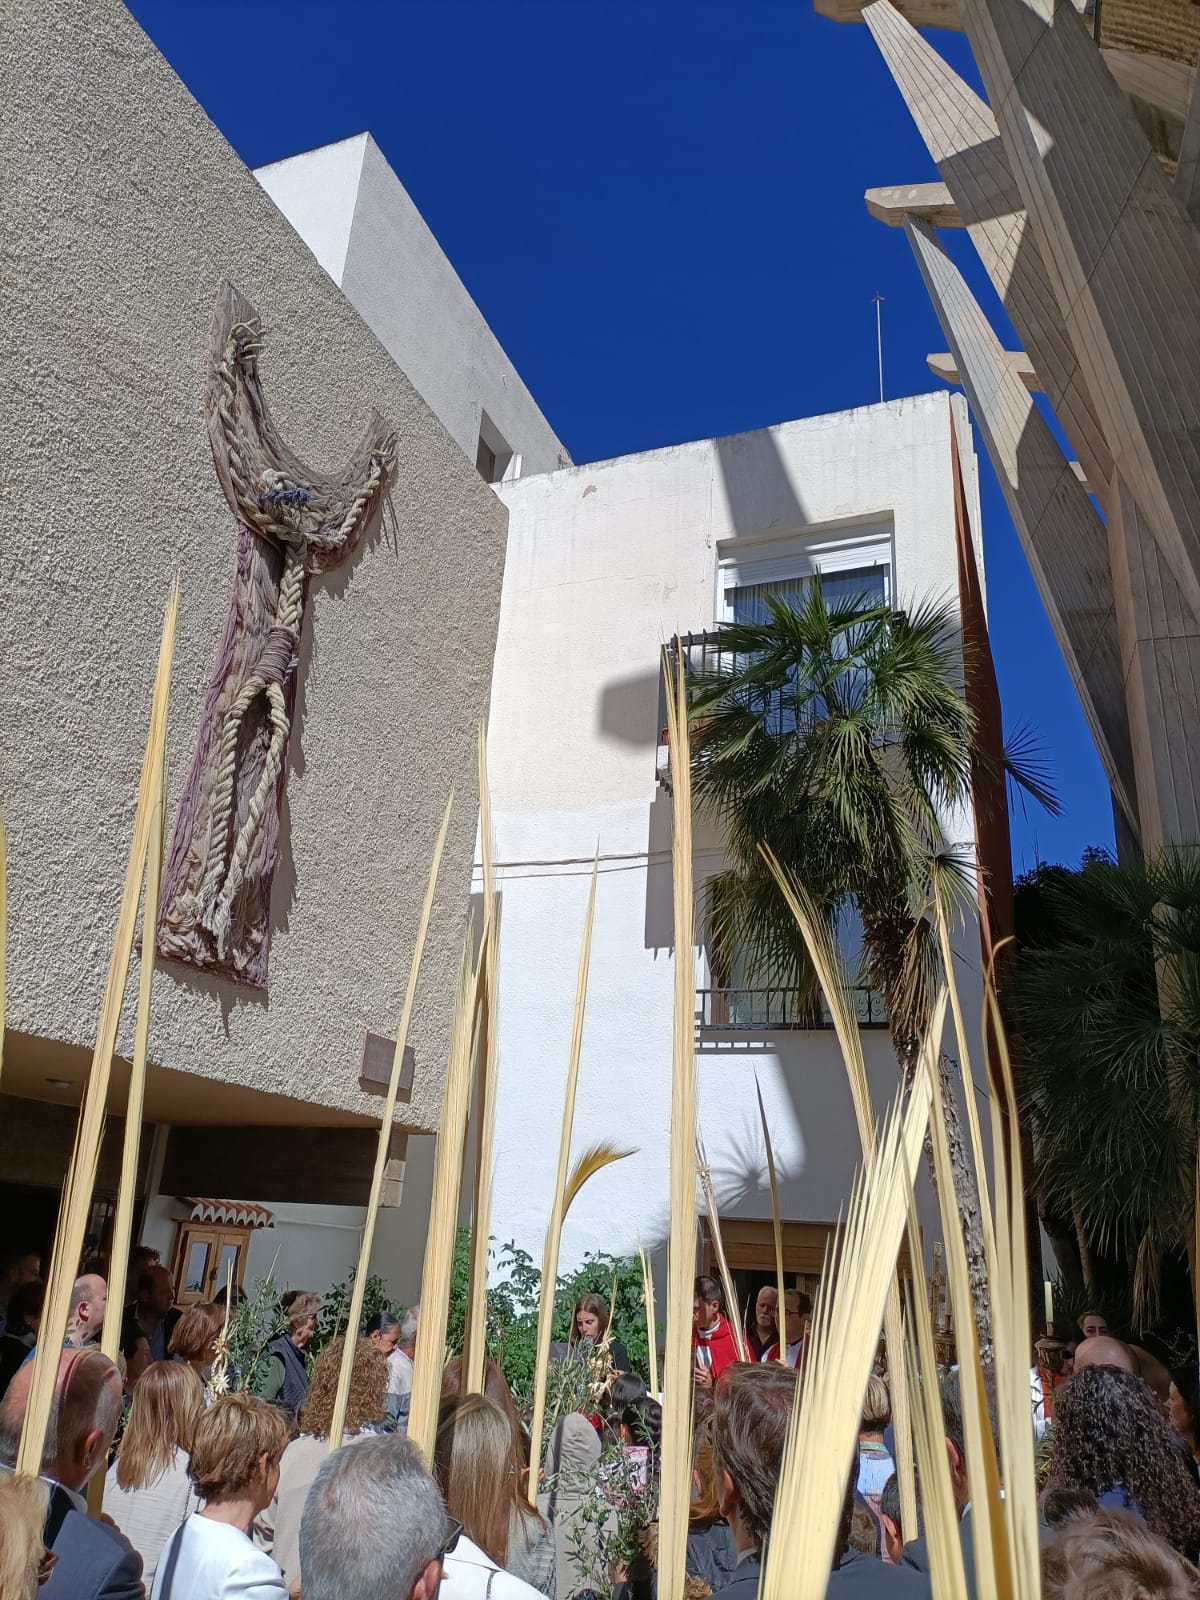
236,1449
147,1492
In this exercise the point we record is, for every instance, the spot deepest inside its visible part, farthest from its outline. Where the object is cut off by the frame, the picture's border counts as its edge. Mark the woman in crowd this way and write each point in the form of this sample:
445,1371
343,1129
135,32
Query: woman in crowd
20,1336
195,1337
507,1551
641,1434
1111,1438
279,1527
589,1320
282,1376
624,1389
383,1330
875,1464
572,1464
25,1563
1183,1406
711,1551
236,1449
148,1492
495,1386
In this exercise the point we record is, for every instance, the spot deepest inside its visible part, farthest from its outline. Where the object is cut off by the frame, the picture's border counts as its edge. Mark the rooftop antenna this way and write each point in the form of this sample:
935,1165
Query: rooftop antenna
878,299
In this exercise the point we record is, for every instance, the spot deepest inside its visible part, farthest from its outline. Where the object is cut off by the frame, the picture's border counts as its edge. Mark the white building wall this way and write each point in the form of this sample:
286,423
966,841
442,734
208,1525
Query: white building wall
357,218
605,563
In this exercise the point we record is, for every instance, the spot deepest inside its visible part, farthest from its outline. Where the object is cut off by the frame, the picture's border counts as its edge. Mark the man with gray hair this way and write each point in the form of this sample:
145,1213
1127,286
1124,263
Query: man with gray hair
374,1527
92,1560
400,1369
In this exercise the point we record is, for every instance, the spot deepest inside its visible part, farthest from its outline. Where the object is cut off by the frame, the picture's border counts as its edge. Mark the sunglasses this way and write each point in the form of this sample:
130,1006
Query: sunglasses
453,1533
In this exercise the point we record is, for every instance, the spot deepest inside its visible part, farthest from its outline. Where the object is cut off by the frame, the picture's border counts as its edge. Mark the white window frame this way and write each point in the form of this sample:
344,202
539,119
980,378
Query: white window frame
742,562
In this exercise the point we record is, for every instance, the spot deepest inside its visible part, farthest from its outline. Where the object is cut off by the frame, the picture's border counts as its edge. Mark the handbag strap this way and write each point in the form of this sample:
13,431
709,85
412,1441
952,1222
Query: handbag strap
172,1558
487,1593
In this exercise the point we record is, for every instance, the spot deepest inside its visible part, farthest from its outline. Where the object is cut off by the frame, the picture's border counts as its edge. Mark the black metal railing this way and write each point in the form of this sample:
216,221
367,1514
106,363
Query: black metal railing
742,1009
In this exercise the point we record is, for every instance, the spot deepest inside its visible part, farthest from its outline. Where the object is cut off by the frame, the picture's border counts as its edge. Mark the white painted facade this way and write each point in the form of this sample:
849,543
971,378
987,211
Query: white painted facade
357,218
605,563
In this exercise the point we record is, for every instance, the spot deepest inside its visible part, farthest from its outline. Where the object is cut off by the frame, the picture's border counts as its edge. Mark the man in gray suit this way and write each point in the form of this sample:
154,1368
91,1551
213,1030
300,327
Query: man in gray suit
95,1562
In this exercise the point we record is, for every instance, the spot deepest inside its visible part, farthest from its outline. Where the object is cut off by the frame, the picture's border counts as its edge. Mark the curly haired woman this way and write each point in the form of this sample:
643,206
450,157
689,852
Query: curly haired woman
1111,1438
303,1458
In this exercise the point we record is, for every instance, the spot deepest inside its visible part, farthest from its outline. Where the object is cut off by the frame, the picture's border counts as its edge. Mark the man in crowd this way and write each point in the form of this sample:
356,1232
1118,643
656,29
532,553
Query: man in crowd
152,1312
1101,1351
762,1329
750,1422
400,1368
374,1527
18,1266
797,1314
1093,1325
92,1560
89,1302
714,1345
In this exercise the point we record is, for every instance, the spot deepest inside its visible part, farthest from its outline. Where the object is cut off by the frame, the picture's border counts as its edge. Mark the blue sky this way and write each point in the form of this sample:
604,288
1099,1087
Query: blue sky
658,209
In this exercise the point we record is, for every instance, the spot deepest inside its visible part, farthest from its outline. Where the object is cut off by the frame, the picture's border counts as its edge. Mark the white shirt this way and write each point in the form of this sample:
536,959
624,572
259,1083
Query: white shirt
218,1562
149,1516
469,1572
400,1373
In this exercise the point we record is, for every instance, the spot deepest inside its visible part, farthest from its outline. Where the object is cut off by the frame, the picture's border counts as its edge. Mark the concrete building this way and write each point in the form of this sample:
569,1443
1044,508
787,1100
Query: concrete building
260,1109
357,219
123,212
607,562
1078,184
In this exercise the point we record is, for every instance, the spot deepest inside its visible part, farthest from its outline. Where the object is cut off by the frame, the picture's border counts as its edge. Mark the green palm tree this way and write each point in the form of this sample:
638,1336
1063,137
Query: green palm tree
838,735
1108,998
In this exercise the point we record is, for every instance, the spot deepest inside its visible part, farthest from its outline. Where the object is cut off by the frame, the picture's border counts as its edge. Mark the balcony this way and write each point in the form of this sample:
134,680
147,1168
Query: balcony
702,653
743,1010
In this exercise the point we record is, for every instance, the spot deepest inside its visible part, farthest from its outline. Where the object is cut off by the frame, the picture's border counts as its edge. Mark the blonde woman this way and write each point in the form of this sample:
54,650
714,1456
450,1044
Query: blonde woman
194,1339
875,1464
147,1491
25,1563
235,1467
279,1526
478,1469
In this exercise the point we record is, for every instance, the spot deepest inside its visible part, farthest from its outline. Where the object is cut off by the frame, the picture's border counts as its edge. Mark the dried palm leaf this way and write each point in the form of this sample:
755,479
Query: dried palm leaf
651,1331
430,1355
836,987
81,1174
676,1441
776,1223
3,935
823,1431
593,1160
559,1204
358,1293
718,1244
475,1342
938,1505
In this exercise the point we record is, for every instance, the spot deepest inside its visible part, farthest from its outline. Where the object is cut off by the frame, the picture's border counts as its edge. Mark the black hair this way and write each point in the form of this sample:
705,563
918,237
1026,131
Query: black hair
25,1302
643,1418
381,1322
707,1289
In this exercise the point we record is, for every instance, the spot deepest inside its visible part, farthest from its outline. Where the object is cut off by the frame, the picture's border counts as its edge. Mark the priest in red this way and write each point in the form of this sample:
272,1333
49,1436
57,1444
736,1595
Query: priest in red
714,1343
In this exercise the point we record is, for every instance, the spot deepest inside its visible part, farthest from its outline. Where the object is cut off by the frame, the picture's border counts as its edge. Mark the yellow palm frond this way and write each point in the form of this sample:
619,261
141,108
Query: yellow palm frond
593,1160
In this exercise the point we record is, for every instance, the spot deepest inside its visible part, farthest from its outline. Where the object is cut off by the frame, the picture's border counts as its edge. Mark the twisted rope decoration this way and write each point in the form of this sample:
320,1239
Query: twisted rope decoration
278,509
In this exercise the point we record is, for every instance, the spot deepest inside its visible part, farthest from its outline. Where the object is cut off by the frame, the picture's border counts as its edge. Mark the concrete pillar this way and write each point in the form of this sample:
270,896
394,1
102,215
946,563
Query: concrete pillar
1063,537
1160,659
963,138
1120,252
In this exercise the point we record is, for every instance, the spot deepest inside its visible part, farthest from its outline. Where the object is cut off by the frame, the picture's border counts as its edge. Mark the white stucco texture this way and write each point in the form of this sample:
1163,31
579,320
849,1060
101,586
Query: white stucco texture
605,563
364,229
121,212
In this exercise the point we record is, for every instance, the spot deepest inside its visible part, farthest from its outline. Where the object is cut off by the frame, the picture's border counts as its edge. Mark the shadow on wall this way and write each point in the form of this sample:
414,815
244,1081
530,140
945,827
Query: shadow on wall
627,711
762,497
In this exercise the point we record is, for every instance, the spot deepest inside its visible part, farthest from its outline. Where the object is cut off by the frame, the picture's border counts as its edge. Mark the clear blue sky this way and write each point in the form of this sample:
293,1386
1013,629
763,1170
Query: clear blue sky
658,209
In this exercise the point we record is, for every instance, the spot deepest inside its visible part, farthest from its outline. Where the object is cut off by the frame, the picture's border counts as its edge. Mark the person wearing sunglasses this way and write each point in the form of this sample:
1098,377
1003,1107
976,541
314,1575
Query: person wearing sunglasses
374,1526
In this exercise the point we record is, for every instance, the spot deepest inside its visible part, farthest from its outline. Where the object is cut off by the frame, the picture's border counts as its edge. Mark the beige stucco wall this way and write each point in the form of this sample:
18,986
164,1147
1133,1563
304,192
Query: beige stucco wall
121,210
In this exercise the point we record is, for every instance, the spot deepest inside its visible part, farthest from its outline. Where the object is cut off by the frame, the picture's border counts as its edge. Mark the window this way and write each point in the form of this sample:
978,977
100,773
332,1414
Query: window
204,1259
494,459
851,561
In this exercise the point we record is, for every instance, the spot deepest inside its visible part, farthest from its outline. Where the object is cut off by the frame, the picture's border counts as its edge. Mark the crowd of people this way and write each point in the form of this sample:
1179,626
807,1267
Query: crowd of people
211,1496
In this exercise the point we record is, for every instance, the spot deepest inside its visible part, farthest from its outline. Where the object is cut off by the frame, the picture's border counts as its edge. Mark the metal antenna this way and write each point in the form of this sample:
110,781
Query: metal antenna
878,299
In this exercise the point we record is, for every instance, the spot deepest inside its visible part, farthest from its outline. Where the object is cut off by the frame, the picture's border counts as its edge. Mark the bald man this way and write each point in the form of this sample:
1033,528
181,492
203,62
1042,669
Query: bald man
89,1301
94,1561
1104,1352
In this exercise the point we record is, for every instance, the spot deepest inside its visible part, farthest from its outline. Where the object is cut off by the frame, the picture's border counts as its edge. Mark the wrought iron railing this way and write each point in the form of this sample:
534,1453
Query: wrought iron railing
741,1009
